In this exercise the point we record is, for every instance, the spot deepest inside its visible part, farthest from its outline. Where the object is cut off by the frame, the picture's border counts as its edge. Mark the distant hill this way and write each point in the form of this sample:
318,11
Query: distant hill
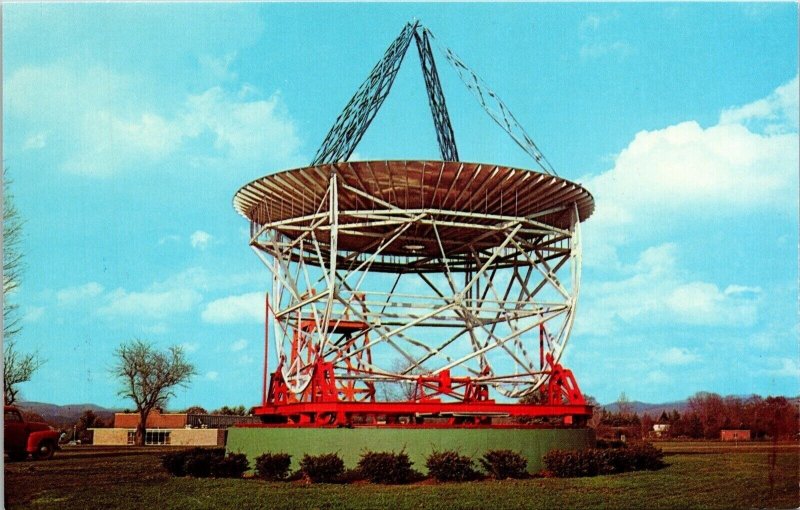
66,414
653,410
681,406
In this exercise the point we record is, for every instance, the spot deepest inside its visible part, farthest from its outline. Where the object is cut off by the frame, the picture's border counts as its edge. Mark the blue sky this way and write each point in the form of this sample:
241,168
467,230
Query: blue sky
128,128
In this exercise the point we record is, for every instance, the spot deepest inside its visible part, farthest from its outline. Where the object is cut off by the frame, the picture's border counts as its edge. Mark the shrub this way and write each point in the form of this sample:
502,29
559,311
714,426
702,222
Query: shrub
571,463
193,462
645,456
273,466
232,465
324,468
350,476
449,466
502,464
610,443
386,467
204,462
592,462
199,465
175,463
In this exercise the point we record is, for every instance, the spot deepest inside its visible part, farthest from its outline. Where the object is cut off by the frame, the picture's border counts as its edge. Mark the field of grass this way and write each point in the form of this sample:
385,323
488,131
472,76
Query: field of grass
698,475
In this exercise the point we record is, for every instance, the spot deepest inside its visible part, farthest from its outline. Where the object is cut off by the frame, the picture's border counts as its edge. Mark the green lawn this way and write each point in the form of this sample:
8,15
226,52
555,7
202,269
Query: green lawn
699,475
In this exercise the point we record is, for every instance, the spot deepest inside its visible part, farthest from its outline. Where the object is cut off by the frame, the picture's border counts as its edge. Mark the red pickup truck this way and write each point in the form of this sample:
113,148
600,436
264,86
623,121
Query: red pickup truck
23,437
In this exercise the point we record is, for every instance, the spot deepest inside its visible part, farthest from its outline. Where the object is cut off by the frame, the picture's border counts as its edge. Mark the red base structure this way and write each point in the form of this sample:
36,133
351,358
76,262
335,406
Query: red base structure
327,401
561,401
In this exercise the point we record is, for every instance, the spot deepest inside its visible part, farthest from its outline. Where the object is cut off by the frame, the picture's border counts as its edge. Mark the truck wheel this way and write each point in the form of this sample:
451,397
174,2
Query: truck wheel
45,450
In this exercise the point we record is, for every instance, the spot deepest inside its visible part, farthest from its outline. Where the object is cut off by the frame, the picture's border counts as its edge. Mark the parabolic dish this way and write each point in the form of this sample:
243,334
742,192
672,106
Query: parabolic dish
460,193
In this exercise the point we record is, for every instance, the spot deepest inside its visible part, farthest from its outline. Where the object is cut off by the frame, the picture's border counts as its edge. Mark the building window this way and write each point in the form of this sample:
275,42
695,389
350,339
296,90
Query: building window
151,437
155,437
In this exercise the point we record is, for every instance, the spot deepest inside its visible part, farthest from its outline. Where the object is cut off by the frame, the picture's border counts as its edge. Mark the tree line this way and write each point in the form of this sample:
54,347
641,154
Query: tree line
708,413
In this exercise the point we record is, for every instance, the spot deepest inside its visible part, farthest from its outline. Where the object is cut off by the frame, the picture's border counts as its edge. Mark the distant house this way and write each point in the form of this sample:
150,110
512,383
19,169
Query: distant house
734,435
171,429
660,429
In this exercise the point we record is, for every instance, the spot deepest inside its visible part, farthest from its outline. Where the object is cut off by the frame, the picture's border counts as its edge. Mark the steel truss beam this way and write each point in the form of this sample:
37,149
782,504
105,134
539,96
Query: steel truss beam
489,315
350,126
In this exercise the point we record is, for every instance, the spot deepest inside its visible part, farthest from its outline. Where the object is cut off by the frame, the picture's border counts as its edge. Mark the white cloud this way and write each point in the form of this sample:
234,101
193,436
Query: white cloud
591,22
189,346
741,289
200,239
678,356
152,304
785,367
235,309
776,113
654,290
194,278
33,313
169,239
159,328
212,375
35,141
243,129
245,359
54,93
219,67
665,179
704,303
239,345
109,141
108,128
685,167
179,293
657,377
73,295
773,335
600,49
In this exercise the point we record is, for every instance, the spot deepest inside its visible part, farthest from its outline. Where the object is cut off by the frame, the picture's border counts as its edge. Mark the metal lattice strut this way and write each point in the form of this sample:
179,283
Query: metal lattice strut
495,107
356,117
441,120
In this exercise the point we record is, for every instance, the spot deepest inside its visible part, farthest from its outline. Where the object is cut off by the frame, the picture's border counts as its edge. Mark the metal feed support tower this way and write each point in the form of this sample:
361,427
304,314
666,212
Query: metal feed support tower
417,292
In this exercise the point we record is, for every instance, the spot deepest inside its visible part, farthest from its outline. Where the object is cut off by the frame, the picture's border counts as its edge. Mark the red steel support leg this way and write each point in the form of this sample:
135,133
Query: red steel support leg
266,350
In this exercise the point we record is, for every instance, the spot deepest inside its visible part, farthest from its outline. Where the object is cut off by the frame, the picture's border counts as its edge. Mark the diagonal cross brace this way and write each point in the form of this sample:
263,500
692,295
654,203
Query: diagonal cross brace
441,119
357,116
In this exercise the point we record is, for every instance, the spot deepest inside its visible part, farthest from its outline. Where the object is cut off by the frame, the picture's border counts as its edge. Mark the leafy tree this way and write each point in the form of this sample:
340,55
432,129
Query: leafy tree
231,411
536,397
776,417
196,410
19,367
647,424
711,410
87,420
149,377
597,411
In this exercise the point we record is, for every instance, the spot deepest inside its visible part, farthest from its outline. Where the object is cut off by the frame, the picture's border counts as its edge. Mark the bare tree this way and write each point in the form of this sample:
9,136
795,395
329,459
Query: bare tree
624,406
18,367
399,391
149,377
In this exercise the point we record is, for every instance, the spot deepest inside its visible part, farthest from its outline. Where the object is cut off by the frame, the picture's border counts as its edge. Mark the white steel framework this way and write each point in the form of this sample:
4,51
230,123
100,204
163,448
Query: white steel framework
449,270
